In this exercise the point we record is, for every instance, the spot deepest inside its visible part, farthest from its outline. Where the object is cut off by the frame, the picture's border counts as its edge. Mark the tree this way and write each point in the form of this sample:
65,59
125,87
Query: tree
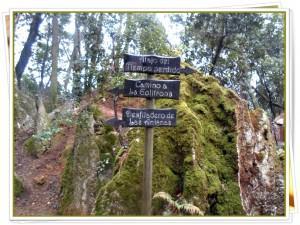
76,59
93,37
236,48
54,56
26,52
45,57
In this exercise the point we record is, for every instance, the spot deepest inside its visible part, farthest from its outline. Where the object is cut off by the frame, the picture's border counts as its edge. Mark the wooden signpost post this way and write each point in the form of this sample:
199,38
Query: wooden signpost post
150,117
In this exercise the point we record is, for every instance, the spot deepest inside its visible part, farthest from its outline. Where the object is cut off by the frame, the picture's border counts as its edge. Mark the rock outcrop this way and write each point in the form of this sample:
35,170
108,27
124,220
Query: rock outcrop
219,158
24,112
261,186
197,160
92,149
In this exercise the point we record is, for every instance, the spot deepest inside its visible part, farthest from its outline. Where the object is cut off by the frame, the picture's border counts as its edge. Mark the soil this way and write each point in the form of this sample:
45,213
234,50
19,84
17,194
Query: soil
41,199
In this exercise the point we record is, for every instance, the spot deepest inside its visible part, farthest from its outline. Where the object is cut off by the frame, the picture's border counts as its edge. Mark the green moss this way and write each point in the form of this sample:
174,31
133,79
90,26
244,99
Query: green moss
17,186
229,202
122,194
196,187
94,109
33,146
200,108
67,191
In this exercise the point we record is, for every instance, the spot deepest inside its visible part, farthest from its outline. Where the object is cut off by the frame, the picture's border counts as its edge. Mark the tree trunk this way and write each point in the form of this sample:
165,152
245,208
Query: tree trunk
128,37
95,53
41,86
269,97
217,55
54,53
76,61
26,51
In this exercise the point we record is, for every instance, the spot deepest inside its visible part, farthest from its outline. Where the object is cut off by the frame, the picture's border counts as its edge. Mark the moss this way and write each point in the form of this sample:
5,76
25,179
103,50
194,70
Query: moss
67,191
197,159
17,186
33,146
229,202
200,108
122,194
94,109
196,187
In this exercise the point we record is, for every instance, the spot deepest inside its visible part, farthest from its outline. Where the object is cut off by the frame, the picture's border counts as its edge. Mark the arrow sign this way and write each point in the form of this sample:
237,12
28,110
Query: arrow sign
152,88
151,64
187,70
149,117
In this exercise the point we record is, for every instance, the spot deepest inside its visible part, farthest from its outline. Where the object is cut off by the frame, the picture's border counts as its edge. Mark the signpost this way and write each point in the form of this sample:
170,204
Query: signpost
149,117
152,88
151,64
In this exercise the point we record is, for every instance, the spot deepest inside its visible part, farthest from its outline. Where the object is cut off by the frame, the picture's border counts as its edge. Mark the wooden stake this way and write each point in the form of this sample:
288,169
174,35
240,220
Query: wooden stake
148,158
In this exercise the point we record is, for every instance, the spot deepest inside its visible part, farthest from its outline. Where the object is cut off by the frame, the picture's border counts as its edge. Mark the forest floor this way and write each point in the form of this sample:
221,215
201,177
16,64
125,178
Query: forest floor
41,176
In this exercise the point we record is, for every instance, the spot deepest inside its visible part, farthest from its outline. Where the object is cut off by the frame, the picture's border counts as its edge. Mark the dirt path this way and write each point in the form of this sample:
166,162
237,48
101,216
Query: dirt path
41,199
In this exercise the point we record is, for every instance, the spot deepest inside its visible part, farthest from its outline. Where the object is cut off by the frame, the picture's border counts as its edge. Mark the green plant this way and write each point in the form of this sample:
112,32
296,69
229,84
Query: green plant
18,186
179,206
47,134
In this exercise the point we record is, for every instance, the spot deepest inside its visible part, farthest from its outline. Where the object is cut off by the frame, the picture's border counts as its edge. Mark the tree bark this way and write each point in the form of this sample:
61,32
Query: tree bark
26,51
270,101
76,90
217,55
41,85
95,52
54,53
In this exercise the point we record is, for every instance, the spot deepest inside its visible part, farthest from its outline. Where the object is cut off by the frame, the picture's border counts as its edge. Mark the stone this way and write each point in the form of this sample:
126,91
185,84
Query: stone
39,180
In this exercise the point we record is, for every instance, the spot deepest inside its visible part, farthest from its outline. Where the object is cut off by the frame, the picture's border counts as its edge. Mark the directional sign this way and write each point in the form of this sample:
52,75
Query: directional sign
187,70
151,64
152,88
149,117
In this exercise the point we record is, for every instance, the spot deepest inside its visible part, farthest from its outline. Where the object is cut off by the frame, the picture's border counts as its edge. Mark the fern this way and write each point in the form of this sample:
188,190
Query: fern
190,209
179,206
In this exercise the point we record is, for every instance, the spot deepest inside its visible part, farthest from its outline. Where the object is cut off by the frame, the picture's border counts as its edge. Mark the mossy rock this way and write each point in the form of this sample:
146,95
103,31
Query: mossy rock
24,111
90,158
197,159
119,195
